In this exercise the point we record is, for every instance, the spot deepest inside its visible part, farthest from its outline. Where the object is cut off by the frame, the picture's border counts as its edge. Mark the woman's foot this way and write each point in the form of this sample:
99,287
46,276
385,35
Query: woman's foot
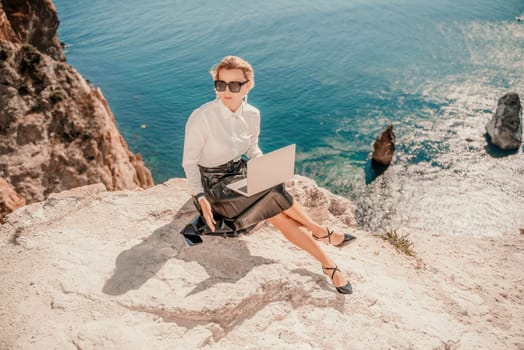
341,284
334,238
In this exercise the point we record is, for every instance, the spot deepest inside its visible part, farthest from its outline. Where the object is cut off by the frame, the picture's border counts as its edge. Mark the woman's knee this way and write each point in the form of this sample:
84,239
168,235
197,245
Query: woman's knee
278,219
292,207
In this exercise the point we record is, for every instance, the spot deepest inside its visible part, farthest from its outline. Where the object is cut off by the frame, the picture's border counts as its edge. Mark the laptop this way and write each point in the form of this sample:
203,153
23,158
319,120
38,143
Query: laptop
266,171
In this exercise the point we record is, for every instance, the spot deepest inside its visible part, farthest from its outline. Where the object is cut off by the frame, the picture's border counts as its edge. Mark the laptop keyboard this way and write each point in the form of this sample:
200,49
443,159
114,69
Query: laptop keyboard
243,189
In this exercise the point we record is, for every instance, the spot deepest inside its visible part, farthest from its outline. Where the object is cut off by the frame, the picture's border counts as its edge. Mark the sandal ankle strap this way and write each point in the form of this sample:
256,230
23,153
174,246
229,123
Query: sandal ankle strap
329,233
328,236
335,269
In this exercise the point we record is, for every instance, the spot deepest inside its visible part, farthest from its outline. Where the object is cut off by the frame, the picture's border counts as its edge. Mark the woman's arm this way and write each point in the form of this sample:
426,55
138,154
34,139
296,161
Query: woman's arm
253,150
194,141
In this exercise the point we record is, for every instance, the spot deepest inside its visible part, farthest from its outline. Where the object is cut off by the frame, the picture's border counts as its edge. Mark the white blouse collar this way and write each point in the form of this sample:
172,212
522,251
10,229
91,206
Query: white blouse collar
227,111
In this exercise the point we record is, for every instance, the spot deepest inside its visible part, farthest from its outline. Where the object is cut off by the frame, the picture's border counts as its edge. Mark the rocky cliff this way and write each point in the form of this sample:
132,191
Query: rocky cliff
90,269
32,22
57,131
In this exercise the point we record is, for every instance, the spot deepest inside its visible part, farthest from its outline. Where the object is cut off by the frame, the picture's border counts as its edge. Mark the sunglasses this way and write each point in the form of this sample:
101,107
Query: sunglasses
234,86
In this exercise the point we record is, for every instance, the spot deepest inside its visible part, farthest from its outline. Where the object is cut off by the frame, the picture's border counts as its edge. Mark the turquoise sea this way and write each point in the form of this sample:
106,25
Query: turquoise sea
329,77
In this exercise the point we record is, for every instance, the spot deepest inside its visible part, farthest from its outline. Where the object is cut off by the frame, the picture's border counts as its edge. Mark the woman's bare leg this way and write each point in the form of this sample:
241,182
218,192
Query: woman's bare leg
298,213
291,230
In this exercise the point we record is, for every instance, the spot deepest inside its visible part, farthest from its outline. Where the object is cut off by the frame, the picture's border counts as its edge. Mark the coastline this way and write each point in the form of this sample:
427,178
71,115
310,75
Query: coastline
104,266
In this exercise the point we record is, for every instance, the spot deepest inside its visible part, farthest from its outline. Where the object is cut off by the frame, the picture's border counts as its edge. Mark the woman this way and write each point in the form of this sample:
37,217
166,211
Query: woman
217,135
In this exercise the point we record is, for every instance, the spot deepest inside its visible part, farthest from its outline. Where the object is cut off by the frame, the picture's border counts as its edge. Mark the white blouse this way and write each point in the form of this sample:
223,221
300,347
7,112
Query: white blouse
215,135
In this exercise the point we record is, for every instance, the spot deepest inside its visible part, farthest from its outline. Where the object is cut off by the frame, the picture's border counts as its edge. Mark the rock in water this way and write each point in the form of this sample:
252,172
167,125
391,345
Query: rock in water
384,146
505,127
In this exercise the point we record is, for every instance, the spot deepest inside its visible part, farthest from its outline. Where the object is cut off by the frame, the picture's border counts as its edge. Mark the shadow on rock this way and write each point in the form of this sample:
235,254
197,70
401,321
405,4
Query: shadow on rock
321,280
495,151
137,265
373,170
225,260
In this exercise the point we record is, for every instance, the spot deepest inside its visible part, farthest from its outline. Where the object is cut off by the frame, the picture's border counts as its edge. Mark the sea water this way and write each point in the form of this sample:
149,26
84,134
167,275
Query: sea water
330,76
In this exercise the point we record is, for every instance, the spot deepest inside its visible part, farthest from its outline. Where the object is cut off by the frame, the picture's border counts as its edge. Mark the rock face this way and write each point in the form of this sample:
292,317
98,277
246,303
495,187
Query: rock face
34,22
90,269
505,127
56,131
384,146
9,199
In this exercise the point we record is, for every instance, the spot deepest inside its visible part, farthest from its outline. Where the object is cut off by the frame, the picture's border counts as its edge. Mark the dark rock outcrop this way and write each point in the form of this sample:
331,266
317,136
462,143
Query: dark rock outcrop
505,127
56,130
33,22
384,146
383,149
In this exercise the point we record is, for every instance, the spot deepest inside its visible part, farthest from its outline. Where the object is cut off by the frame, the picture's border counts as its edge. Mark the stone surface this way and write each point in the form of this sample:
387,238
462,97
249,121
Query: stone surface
9,199
505,127
33,22
6,32
90,269
57,131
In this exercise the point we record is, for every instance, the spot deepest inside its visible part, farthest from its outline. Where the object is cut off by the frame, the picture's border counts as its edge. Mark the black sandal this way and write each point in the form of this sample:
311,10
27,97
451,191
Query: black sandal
345,289
347,238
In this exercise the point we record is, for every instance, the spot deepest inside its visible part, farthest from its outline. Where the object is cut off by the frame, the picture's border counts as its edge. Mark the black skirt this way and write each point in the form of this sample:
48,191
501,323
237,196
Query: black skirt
238,212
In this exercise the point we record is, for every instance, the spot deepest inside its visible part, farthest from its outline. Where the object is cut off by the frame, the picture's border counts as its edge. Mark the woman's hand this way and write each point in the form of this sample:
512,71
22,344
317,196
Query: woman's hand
207,212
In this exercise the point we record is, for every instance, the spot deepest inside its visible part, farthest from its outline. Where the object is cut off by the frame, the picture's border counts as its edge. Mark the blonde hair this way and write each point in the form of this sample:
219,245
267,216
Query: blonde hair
235,62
